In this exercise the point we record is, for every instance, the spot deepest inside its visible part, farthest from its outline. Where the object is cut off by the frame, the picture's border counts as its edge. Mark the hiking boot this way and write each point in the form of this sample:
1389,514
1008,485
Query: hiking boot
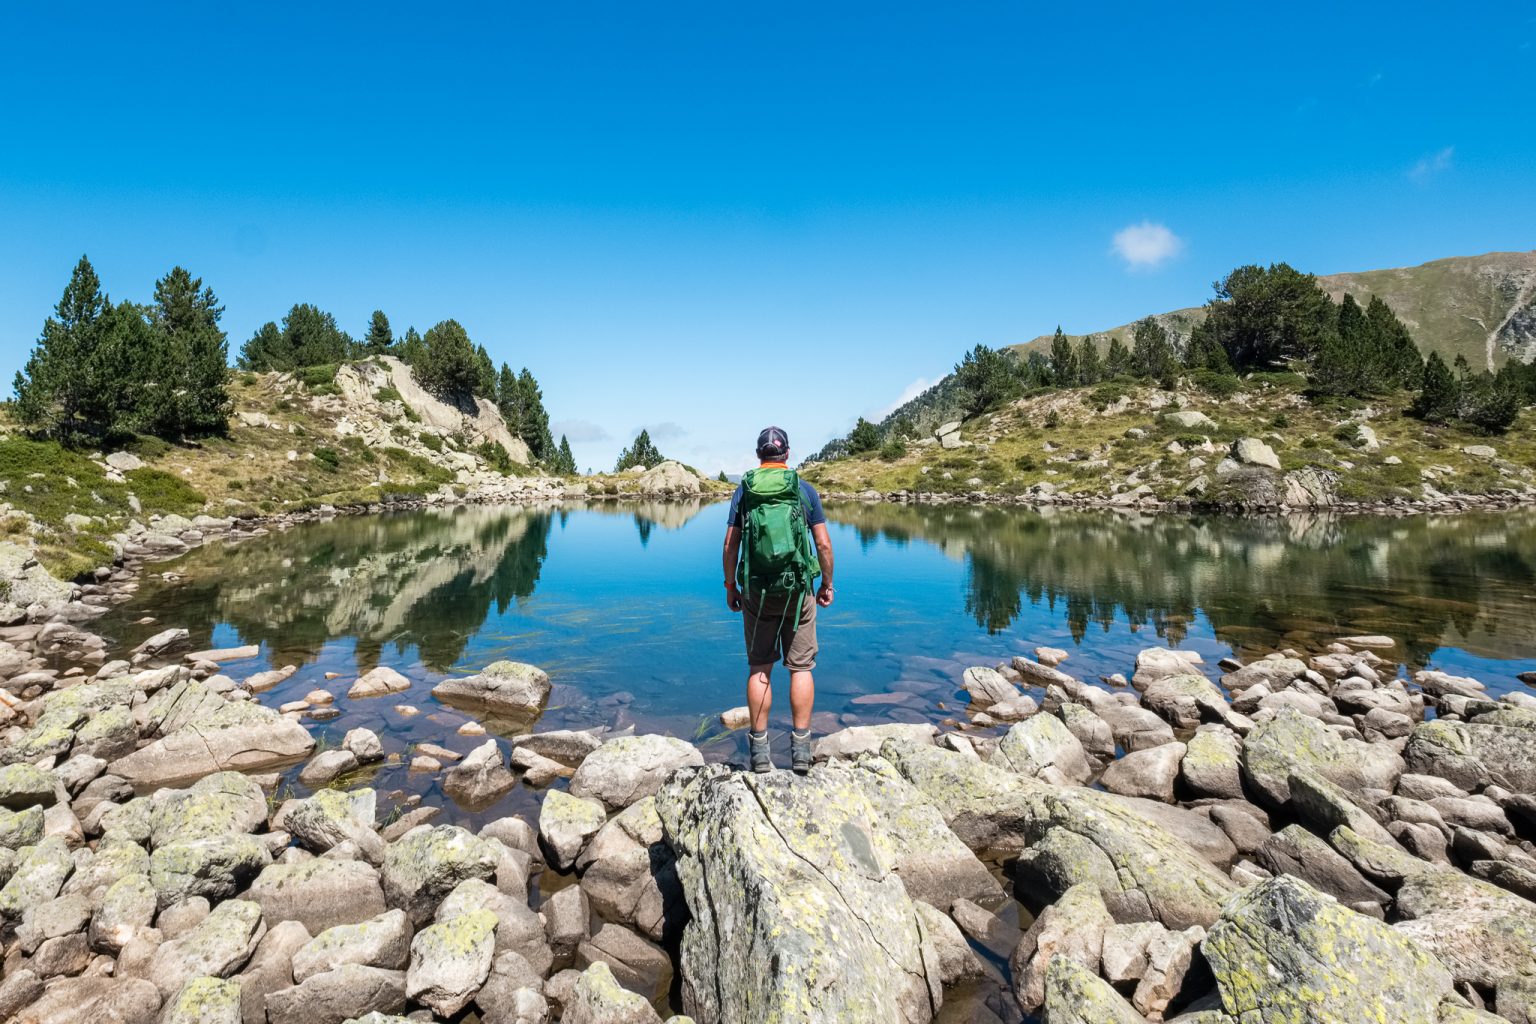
800,751
762,756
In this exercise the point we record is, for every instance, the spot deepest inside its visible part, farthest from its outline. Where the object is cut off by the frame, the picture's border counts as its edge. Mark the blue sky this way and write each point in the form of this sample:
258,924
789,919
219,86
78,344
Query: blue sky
705,217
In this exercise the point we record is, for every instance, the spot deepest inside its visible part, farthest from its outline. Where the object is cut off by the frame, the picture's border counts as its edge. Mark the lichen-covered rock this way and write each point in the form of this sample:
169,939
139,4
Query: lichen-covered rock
1480,932
566,824
128,905
1074,994
90,998
216,867
217,805
518,928
383,941
1187,699
21,828
957,961
1149,774
1292,741
628,874
425,865
599,999
509,689
450,961
351,991
26,785
1475,754
331,817
1283,951
985,806
797,910
319,894
218,947
987,686
109,734
270,969
205,1001
480,779
1042,747
1071,928
631,768
38,877
867,739
240,736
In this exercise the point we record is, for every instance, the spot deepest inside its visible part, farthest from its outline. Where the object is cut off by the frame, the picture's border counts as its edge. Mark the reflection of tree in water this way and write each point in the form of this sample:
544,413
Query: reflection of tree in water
424,579
1426,581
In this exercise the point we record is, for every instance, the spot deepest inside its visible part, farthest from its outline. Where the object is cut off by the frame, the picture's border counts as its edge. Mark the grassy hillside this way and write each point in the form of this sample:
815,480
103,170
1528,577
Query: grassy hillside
1111,439
294,442
1482,307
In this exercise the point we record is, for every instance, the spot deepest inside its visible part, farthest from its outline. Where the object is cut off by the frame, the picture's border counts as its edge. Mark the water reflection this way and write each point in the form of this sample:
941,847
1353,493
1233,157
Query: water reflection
1463,581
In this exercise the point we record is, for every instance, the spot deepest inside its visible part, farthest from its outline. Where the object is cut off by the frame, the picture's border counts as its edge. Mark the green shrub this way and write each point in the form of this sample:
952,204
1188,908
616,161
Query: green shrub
328,458
495,456
235,485
388,394
1107,394
147,446
893,449
319,379
431,442
1026,463
1052,420
1284,379
1218,385
159,491
1281,421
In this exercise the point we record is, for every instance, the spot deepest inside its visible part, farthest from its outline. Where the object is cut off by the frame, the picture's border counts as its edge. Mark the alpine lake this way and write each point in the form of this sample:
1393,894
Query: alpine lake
622,605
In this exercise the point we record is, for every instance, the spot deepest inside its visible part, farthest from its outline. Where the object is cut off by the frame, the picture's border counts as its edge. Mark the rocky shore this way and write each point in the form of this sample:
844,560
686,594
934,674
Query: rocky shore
1315,838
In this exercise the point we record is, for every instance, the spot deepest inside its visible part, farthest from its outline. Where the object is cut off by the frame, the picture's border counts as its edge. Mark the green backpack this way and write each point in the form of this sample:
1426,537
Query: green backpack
776,552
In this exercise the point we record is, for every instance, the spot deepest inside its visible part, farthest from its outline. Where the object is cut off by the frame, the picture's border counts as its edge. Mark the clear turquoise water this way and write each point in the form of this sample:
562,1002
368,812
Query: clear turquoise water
623,605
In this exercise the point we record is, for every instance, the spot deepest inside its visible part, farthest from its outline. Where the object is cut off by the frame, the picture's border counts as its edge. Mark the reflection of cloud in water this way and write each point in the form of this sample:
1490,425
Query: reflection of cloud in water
1455,581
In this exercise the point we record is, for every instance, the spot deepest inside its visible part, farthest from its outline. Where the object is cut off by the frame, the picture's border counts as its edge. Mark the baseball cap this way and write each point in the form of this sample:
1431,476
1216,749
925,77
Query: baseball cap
772,443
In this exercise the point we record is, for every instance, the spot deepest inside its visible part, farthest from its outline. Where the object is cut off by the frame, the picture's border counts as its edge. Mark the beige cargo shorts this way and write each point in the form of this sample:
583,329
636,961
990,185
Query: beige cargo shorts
774,631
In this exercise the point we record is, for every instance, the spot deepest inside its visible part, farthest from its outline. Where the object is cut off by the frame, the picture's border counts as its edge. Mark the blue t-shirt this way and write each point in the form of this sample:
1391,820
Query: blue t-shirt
813,511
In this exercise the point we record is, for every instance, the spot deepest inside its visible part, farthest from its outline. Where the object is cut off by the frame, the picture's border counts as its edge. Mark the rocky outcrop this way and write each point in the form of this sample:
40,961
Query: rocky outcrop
798,912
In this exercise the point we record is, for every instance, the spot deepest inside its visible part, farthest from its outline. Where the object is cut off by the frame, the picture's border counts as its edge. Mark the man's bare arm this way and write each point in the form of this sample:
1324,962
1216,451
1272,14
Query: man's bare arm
824,556
728,557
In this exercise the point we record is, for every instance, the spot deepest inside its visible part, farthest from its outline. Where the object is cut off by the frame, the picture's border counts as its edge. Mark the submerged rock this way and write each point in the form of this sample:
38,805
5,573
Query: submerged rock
797,910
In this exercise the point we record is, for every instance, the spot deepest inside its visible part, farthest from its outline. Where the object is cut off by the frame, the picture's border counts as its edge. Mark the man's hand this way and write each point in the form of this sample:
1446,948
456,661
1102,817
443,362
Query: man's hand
824,595
733,599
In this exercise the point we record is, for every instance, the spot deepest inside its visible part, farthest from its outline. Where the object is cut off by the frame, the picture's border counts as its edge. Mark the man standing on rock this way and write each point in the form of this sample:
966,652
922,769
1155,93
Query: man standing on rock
771,568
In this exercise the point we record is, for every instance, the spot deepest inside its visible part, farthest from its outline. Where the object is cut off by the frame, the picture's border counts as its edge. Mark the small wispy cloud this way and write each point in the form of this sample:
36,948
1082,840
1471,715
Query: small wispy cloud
1147,245
666,431
908,393
1432,165
1373,81
580,431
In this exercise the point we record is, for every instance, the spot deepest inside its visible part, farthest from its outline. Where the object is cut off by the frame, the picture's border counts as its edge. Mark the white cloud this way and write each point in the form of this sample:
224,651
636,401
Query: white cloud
1147,245
1431,165
908,393
579,431
667,431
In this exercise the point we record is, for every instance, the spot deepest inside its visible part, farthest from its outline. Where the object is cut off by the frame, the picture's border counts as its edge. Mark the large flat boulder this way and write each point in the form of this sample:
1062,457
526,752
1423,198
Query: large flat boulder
1292,741
238,737
798,912
631,768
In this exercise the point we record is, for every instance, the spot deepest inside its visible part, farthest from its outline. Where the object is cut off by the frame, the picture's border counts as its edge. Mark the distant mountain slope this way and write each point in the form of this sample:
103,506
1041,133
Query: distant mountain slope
1482,307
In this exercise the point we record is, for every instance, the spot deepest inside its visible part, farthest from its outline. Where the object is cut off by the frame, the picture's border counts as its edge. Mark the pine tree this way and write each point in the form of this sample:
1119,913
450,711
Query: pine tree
864,437
985,378
1204,352
565,461
308,337
1063,360
449,366
509,399
1266,318
723,478
1343,363
1090,367
187,394
58,388
1489,402
1405,366
1152,355
534,420
1117,360
1439,392
485,372
378,340
412,348
641,453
